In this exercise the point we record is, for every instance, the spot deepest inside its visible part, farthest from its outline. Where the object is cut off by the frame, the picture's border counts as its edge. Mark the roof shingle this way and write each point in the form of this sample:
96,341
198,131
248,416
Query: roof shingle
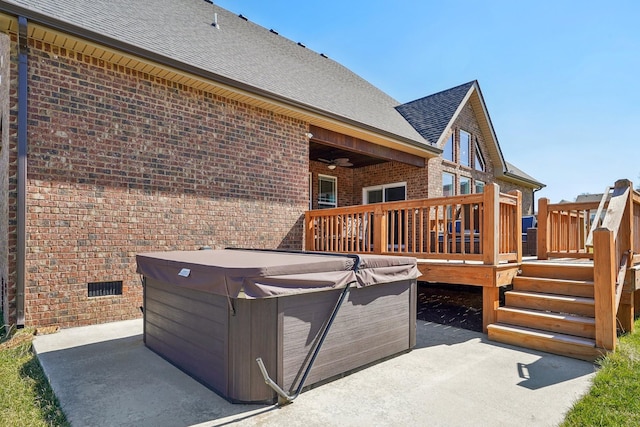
238,51
431,115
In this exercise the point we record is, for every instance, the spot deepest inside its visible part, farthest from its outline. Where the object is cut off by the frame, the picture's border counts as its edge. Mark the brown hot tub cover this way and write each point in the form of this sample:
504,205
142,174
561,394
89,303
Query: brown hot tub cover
260,274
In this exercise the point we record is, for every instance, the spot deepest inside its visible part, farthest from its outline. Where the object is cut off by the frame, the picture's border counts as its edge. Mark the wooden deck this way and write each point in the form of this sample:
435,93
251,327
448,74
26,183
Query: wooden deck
476,240
471,239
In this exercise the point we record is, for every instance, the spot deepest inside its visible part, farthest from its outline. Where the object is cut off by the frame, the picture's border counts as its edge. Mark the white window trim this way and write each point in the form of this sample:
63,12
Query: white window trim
365,190
310,191
467,179
478,156
451,138
453,184
330,178
469,159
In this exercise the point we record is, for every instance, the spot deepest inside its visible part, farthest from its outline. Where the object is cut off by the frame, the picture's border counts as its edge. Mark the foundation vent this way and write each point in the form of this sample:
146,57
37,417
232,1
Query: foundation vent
101,289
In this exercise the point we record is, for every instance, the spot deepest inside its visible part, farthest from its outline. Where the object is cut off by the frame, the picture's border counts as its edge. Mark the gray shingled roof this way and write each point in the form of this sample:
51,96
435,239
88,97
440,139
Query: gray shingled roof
431,115
240,51
518,173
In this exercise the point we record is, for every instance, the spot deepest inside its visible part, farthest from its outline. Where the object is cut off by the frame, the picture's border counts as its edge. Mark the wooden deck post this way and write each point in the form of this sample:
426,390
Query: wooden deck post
379,230
604,275
518,224
543,228
491,226
490,305
626,311
308,232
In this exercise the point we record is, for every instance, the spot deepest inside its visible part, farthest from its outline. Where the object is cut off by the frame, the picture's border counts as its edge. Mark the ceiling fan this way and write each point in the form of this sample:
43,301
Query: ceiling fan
341,161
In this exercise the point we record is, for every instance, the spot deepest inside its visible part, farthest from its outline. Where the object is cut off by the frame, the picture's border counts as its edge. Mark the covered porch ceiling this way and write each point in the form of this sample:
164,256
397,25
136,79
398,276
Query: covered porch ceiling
319,151
330,145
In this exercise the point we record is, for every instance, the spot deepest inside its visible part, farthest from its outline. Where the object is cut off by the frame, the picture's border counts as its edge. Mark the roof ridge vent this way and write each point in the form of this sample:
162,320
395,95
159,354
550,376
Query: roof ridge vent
241,16
215,21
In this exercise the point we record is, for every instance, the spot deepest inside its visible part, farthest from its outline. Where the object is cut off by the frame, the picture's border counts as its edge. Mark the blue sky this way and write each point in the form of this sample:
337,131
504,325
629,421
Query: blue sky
558,77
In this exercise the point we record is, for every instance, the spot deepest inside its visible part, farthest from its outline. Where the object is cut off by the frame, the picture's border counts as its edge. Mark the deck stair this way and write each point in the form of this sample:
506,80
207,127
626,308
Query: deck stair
551,308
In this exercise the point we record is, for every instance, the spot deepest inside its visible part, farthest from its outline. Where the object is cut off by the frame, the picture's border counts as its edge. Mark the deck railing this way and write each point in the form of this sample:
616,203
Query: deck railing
613,247
563,229
476,227
563,232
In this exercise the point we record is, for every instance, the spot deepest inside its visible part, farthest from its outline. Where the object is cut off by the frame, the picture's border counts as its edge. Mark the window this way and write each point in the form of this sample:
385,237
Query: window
447,154
448,181
327,191
479,186
465,185
479,160
465,148
385,193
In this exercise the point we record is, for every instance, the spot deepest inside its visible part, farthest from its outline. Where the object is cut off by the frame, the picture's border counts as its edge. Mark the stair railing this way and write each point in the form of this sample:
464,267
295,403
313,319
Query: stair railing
598,217
612,251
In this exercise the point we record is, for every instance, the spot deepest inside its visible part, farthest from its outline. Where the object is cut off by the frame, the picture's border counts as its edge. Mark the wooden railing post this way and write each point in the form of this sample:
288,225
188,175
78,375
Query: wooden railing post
379,230
518,224
604,275
625,233
309,232
491,228
543,228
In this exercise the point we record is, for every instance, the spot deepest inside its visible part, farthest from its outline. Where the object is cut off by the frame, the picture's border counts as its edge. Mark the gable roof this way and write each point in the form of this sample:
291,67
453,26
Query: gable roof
432,115
424,115
237,53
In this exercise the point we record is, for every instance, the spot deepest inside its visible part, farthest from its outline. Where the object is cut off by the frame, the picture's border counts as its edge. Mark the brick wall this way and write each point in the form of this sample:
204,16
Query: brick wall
527,195
390,173
345,182
5,47
122,163
352,181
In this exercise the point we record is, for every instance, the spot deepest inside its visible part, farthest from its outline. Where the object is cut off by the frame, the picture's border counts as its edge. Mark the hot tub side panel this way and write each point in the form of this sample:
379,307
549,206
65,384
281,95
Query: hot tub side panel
373,323
253,333
188,328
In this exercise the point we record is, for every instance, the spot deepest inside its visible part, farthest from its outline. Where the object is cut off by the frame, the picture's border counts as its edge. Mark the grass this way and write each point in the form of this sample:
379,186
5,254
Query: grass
26,399
613,400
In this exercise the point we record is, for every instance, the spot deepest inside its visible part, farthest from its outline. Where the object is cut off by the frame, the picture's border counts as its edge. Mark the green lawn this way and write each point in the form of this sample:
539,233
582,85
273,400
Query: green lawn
614,399
26,398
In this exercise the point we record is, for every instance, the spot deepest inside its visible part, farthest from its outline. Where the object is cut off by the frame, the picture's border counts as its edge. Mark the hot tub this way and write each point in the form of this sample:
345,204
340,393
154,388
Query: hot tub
213,313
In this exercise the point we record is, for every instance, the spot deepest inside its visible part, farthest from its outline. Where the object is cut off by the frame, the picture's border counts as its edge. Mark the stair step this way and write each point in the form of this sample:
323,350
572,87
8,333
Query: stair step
552,270
550,302
581,288
554,322
550,342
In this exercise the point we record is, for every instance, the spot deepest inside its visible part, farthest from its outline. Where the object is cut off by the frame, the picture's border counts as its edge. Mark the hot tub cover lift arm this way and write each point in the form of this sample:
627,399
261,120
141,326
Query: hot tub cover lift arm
283,397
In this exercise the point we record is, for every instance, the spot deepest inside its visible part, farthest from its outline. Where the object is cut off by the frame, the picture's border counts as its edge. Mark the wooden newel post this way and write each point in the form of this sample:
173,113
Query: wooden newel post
543,228
491,226
518,224
308,232
604,275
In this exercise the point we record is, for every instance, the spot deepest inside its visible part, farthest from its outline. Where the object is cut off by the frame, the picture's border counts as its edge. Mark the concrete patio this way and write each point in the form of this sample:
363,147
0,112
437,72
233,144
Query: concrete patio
104,375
